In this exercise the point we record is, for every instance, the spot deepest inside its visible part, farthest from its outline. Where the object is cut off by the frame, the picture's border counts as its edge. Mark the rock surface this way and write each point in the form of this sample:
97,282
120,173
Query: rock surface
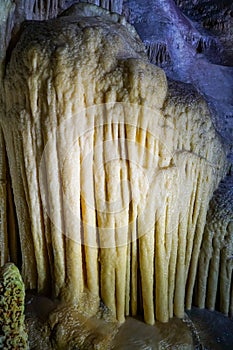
99,144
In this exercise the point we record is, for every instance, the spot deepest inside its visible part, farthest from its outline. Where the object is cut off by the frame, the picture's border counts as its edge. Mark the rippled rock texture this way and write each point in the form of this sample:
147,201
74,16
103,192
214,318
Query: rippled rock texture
12,294
117,160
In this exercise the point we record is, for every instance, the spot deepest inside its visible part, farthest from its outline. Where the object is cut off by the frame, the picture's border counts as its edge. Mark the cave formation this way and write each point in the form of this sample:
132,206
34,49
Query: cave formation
112,168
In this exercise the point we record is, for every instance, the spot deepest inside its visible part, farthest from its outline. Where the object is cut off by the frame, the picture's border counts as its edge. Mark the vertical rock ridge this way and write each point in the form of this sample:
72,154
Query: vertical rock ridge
214,283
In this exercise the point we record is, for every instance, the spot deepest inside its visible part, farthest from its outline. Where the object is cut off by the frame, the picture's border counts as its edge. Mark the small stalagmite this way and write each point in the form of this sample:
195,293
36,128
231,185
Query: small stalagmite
13,333
112,168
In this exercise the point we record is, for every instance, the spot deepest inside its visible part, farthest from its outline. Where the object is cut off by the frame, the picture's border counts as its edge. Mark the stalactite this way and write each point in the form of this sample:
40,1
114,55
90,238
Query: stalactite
112,5
43,9
203,44
158,53
216,257
197,199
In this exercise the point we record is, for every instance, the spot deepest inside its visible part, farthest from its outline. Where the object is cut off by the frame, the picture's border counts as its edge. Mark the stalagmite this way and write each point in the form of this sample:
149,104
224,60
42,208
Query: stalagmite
112,169
13,333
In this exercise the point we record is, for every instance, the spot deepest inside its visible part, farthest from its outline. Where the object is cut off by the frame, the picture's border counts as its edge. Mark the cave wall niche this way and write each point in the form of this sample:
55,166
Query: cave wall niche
87,70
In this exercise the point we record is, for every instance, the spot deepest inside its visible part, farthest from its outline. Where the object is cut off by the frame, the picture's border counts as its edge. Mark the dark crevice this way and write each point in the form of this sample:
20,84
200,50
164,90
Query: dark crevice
13,42
15,254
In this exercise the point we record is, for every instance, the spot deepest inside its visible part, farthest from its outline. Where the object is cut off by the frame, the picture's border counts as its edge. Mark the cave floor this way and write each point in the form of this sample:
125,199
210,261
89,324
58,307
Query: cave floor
200,329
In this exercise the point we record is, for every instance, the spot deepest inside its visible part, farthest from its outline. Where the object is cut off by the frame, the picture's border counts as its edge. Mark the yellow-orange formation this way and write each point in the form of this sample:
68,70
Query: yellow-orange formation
112,170
215,268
